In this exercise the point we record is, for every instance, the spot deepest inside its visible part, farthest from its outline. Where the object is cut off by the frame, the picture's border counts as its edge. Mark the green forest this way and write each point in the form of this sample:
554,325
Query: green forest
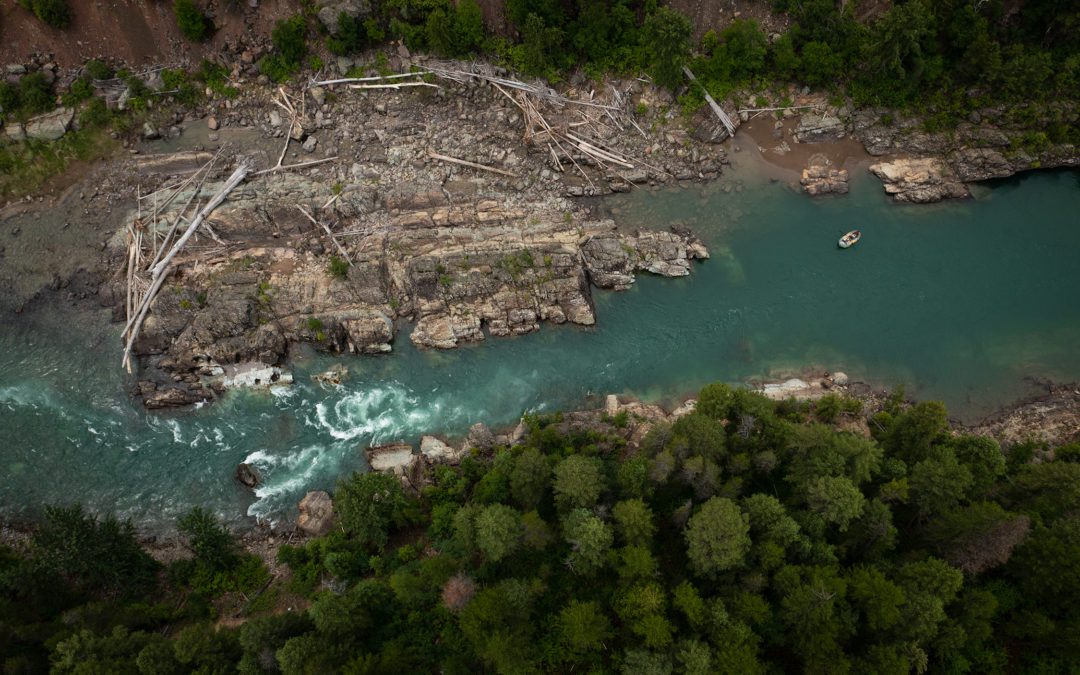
948,55
750,536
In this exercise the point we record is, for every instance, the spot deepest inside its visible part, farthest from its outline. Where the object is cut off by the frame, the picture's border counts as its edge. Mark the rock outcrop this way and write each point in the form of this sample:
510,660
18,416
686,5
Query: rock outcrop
316,514
992,143
50,126
919,180
815,128
456,262
435,450
819,179
389,456
448,253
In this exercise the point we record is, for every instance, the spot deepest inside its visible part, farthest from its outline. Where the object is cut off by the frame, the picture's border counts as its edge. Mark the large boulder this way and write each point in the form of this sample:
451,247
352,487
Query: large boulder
370,334
919,180
819,179
389,456
480,436
815,129
436,450
15,131
50,126
316,513
974,164
246,475
328,15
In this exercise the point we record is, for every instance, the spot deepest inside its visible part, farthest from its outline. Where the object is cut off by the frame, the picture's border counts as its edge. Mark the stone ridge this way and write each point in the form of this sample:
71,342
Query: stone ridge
455,262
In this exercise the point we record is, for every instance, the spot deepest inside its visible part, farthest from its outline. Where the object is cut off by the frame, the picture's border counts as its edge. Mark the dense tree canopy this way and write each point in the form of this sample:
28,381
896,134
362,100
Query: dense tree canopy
807,549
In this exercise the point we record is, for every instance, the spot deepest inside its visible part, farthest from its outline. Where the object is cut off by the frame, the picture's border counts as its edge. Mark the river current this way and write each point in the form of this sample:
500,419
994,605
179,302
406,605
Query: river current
961,302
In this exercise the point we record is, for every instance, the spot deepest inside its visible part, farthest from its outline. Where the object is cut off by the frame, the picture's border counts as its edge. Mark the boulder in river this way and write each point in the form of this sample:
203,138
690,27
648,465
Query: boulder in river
389,456
246,475
316,512
920,180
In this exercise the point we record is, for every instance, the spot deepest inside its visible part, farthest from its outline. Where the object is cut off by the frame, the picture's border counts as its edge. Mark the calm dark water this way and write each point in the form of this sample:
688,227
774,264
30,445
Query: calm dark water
960,302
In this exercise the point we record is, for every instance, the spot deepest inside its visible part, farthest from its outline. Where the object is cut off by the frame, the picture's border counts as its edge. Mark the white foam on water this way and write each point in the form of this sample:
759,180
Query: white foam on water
370,412
24,395
283,394
285,476
170,425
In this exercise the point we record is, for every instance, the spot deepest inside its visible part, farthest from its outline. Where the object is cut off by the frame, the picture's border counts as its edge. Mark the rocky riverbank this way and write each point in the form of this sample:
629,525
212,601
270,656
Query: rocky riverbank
389,231
915,161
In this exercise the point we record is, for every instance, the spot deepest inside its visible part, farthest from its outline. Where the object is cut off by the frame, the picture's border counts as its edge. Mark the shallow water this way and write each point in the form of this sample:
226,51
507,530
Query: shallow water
960,302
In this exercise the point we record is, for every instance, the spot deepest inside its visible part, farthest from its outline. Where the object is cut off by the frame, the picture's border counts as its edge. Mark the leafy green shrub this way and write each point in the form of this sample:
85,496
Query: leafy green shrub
212,75
9,97
276,68
337,267
55,13
96,115
98,70
183,89
370,506
288,38
96,556
212,544
35,94
80,90
193,24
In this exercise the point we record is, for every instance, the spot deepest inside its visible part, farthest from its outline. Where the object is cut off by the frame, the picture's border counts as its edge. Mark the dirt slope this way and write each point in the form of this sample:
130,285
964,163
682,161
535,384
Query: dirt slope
136,32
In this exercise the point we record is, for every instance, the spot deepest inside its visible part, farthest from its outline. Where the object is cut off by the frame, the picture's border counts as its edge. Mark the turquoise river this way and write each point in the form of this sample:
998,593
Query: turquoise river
961,302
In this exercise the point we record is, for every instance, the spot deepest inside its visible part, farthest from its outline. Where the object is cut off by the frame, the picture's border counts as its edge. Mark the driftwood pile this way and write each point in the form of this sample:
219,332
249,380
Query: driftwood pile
568,127
147,270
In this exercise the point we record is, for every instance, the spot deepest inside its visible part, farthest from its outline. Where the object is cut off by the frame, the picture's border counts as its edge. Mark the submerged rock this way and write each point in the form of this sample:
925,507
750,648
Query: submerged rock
335,375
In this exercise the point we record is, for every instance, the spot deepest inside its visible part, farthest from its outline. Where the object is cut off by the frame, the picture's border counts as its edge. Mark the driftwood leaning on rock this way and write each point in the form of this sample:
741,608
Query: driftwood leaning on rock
159,271
717,110
564,146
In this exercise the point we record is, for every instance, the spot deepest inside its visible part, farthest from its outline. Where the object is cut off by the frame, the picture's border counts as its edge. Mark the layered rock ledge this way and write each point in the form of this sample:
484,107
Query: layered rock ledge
459,263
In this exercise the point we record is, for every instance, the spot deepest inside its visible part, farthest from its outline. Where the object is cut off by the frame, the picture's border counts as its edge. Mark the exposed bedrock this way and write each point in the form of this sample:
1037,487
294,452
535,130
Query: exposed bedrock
457,265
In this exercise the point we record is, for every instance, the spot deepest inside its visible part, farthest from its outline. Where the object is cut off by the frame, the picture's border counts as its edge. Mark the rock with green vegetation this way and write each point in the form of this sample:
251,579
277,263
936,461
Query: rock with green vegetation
51,126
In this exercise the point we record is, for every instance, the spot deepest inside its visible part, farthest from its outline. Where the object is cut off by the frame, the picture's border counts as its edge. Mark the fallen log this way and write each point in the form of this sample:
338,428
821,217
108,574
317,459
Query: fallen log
453,160
327,228
159,271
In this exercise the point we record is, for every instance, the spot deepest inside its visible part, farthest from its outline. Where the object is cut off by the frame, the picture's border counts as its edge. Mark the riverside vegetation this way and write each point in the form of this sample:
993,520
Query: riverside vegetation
942,61
748,536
